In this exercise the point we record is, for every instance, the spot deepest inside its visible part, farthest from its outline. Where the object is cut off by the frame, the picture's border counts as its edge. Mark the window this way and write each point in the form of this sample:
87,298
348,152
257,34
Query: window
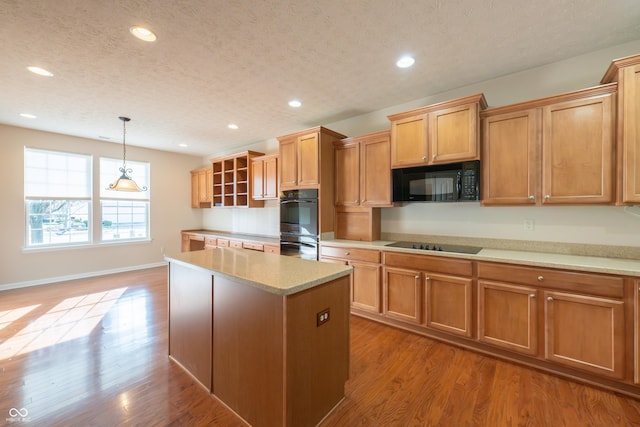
124,215
57,189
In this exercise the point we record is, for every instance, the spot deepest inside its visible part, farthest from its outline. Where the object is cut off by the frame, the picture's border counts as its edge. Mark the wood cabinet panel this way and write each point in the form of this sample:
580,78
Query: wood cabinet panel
375,170
577,150
510,158
233,183
585,332
365,286
308,160
264,177
453,134
402,294
435,264
347,174
448,303
507,316
201,187
288,163
630,93
409,141
351,254
636,331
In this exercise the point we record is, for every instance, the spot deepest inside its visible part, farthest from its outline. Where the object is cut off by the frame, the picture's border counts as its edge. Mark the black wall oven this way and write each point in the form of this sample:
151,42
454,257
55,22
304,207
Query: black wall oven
299,223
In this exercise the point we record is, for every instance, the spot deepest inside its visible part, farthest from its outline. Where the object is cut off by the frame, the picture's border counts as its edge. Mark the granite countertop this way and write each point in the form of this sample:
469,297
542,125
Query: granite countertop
239,236
277,274
619,266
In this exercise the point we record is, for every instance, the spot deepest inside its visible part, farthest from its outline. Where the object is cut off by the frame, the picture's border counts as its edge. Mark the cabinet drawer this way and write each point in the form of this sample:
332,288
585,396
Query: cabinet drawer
223,243
589,283
194,236
272,249
253,246
353,254
436,264
210,242
235,243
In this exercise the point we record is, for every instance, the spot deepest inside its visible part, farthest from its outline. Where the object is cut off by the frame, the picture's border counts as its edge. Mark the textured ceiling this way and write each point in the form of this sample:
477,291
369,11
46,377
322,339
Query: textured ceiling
217,62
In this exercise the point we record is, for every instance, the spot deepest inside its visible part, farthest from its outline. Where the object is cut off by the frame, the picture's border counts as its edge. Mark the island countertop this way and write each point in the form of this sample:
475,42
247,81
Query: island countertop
277,274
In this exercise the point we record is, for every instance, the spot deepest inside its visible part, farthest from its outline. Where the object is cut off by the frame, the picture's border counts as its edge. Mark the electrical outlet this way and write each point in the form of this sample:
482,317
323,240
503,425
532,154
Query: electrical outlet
322,317
529,224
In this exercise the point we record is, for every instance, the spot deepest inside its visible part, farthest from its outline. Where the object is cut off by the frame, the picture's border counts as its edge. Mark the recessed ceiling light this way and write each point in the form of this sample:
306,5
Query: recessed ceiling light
295,103
143,34
183,145
27,116
40,71
405,62
232,126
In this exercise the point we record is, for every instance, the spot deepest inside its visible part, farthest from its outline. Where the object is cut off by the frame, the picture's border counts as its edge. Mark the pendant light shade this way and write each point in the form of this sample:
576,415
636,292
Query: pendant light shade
125,183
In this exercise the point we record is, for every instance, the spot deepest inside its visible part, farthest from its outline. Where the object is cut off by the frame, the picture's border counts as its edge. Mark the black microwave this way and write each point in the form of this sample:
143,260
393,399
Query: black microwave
452,182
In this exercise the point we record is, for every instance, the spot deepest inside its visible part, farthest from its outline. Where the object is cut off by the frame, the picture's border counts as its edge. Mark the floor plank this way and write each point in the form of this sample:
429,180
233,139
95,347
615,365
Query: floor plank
93,352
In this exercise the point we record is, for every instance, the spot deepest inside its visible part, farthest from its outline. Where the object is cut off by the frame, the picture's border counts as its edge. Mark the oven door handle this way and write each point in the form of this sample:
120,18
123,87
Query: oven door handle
296,201
297,244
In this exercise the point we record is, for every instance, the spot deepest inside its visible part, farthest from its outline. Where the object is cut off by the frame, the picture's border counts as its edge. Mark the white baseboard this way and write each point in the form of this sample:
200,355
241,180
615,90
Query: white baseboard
50,280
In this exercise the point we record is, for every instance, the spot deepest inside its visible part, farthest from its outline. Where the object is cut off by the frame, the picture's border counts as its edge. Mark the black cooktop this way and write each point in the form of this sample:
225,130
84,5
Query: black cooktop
460,249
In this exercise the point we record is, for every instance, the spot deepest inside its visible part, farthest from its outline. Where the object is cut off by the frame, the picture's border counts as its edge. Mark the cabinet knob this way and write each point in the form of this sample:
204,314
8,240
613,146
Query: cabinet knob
424,157
540,278
347,253
532,197
532,295
427,278
549,298
547,197
417,277
433,156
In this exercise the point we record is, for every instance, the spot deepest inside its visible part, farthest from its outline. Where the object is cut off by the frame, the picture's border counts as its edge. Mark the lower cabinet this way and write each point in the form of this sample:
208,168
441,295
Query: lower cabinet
402,294
448,303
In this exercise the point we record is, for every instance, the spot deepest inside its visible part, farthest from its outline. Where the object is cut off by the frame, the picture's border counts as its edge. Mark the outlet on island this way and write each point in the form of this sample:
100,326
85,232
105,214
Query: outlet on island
322,317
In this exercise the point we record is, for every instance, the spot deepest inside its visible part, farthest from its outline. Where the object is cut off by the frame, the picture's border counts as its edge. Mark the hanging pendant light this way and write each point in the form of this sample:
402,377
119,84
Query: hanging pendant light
125,183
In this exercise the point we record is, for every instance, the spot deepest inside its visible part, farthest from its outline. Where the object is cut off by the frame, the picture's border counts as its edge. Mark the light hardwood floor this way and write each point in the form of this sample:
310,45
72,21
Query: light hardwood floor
93,352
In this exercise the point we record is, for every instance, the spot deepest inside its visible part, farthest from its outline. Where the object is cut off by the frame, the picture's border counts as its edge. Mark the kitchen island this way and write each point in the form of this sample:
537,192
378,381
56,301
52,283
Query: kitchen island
267,335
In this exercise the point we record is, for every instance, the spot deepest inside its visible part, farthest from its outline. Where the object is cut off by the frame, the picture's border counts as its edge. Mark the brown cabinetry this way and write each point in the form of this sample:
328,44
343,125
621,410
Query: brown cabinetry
232,185
402,298
582,314
363,171
365,278
557,150
264,174
626,72
440,133
195,241
201,187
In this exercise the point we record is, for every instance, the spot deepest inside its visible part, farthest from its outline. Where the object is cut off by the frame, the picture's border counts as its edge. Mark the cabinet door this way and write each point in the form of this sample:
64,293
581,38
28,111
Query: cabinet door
365,286
209,184
585,332
448,303
195,190
288,164
453,134
270,178
402,294
202,186
577,147
308,162
630,93
507,316
347,174
509,158
257,178
375,172
409,141
636,332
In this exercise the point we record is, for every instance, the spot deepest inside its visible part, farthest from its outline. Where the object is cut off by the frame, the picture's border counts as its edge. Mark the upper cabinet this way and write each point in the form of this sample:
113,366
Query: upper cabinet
363,171
441,133
626,72
264,174
201,187
556,150
232,185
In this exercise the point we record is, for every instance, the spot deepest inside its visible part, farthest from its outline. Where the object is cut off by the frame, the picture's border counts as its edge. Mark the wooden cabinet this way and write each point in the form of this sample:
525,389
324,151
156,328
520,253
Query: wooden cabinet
626,72
192,242
556,150
585,332
508,316
306,161
636,331
363,171
201,187
232,184
365,278
582,315
442,298
441,133
264,174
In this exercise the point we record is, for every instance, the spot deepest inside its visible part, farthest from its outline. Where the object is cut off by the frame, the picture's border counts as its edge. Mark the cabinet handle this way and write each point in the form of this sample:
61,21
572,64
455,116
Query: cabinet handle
540,278
547,197
532,295
433,156
549,298
427,278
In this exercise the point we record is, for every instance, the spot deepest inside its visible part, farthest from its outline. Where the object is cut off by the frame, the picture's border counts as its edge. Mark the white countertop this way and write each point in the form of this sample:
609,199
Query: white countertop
619,266
282,275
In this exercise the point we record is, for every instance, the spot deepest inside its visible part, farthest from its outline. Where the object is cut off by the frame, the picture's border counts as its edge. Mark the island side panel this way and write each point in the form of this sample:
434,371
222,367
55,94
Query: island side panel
248,351
317,364
190,292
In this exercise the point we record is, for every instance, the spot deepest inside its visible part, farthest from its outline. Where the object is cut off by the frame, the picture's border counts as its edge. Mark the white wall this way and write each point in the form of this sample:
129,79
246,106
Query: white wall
171,211
606,225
